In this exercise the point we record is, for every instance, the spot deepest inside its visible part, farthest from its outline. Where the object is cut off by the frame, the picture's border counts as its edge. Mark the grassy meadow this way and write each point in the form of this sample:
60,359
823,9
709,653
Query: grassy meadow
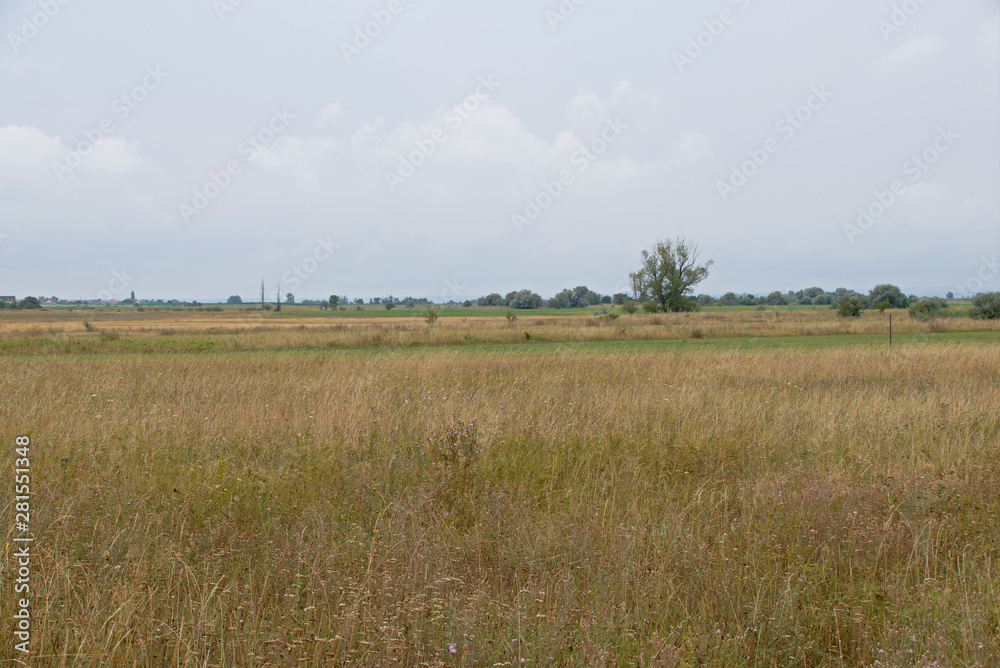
726,488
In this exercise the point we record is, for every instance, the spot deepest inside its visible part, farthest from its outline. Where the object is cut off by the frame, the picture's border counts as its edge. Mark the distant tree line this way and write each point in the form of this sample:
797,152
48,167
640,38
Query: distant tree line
25,304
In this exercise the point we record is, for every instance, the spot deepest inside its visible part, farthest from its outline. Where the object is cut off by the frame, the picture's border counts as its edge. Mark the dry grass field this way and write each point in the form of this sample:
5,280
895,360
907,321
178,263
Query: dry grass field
231,490
127,330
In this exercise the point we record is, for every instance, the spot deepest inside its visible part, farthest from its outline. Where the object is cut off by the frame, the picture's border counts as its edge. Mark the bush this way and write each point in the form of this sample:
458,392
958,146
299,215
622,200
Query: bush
651,307
850,307
928,309
630,307
986,306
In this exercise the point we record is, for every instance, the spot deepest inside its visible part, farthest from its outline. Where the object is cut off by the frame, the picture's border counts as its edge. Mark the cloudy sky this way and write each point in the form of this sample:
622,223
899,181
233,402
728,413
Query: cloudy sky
436,148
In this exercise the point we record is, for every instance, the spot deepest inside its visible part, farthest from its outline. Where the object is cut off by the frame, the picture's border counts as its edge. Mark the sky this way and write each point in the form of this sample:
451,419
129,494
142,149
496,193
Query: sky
192,149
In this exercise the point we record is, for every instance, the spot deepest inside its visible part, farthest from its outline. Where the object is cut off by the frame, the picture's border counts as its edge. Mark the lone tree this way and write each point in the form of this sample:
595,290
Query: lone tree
669,274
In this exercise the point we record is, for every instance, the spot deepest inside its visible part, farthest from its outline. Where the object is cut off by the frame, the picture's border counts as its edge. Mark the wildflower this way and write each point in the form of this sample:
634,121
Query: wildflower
452,649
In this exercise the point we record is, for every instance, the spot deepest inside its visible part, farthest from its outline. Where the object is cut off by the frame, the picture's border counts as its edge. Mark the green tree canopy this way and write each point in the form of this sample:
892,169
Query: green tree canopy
888,291
669,273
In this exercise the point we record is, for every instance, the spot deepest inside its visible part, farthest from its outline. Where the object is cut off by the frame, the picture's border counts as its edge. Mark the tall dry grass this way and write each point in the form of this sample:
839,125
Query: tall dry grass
555,507
116,332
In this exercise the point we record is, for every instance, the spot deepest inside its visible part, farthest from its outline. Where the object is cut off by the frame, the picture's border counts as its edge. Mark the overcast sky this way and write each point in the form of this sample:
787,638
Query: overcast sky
189,149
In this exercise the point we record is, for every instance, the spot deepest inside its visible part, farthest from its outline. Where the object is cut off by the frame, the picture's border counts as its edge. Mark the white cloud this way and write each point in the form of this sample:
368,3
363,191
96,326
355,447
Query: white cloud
116,156
988,47
926,192
307,160
330,115
25,148
691,147
918,51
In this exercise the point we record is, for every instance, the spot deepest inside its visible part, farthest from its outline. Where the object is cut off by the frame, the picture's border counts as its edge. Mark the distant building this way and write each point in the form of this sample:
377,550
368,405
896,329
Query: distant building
4,298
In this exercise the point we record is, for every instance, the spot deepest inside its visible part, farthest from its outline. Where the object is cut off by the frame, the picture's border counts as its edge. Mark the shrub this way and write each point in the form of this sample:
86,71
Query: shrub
431,316
850,307
928,309
985,306
651,307
630,307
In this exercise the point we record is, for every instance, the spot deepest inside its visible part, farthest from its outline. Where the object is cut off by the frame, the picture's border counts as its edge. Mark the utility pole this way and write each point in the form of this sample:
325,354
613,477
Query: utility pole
262,294
277,299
